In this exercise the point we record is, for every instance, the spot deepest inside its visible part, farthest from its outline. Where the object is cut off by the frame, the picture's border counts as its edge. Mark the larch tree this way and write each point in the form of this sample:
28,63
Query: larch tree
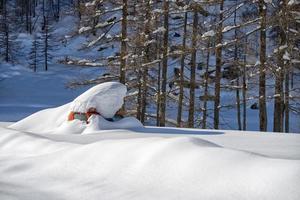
262,66
163,95
182,66
218,54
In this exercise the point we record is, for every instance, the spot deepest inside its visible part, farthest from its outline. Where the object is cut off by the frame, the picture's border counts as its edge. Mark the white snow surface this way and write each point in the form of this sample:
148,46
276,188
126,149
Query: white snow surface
149,163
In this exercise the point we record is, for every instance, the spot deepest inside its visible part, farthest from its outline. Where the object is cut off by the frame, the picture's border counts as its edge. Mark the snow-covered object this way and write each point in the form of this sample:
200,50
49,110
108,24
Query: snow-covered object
84,29
107,98
293,2
268,1
286,56
228,28
209,34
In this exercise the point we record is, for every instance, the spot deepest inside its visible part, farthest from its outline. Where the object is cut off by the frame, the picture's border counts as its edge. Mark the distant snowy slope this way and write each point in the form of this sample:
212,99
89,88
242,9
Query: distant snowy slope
149,163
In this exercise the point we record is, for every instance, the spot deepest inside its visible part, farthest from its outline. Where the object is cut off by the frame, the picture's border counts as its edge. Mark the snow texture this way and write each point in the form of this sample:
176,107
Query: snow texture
149,163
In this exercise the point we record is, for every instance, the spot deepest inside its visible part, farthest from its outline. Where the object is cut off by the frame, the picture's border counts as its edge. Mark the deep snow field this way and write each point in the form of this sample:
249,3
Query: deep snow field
149,163
41,157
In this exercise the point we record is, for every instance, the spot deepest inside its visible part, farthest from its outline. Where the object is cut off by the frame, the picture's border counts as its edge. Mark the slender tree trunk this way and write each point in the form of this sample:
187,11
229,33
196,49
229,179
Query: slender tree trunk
277,126
158,57
30,16
245,87
58,10
206,86
182,65
144,95
193,72
6,31
139,98
262,69
43,9
286,99
35,54
1,6
287,67
218,68
78,9
146,60
7,47
238,103
46,44
158,95
27,15
33,7
164,64
237,66
123,43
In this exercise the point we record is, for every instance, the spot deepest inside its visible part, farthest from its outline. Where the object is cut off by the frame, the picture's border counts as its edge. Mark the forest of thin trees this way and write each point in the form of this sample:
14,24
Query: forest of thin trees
179,59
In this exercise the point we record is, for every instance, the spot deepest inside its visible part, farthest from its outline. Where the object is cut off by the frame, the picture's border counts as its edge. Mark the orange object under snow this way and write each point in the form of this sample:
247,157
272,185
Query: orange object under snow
82,116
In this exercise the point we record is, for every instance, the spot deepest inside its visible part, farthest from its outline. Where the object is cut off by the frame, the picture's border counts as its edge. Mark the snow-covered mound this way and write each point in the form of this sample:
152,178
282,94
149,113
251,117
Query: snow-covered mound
107,98
132,165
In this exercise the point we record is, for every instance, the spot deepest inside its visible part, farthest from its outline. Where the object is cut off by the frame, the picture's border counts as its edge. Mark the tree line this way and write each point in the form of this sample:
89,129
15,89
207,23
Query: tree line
186,53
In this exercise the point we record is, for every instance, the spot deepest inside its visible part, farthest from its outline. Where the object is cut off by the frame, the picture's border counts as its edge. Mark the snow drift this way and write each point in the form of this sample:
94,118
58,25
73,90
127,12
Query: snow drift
107,98
123,164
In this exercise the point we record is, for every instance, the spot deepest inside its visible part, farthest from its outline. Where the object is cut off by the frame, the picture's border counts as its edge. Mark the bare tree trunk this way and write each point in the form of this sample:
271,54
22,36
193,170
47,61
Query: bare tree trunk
278,109
123,43
164,64
146,60
46,44
262,69
206,86
7,47
218,68
193,72
285,36
78,9
58,10
27,15
6,31
34,53
245,88
139,97
158,57
182,65
158,95
238,103
237,65
286,99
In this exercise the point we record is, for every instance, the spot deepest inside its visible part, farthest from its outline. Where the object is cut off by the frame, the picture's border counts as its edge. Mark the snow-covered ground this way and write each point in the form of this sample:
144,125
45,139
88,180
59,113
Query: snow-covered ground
149,163
39,162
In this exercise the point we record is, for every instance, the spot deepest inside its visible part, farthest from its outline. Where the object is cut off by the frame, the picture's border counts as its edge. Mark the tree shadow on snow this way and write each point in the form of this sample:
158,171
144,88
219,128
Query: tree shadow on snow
183,131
